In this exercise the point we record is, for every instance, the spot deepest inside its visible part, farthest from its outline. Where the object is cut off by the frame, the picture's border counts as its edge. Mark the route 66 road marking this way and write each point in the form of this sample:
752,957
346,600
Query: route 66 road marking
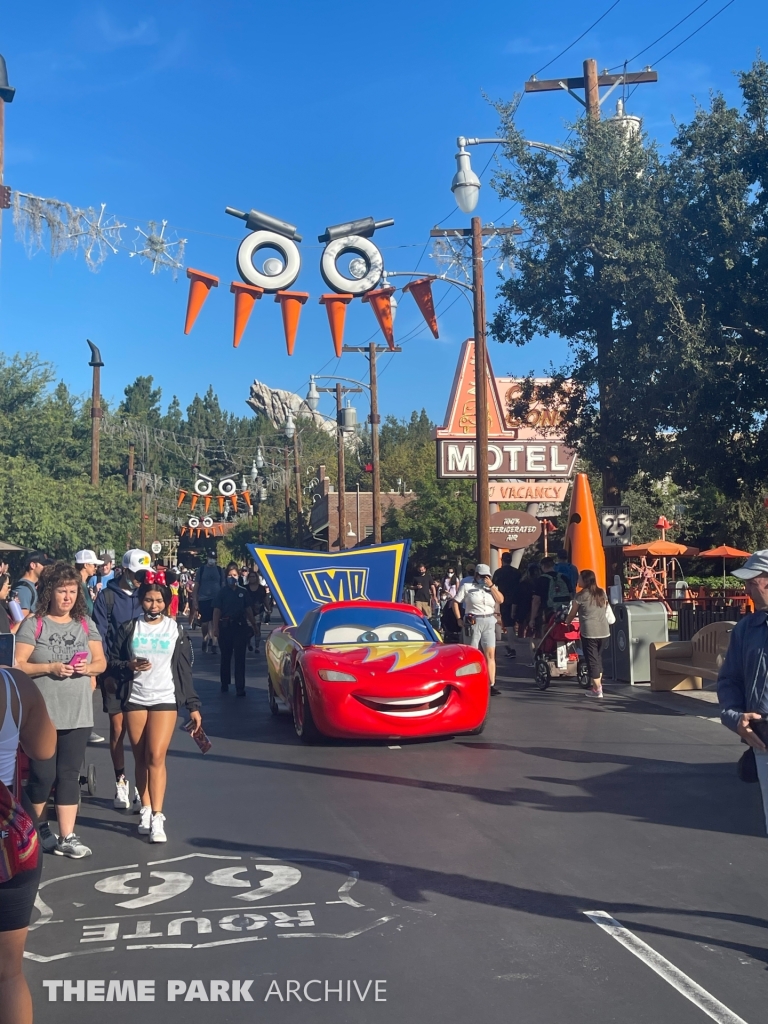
83,913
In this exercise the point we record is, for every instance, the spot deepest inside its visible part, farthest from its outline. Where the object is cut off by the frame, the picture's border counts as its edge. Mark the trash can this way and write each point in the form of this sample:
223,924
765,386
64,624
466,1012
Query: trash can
638,624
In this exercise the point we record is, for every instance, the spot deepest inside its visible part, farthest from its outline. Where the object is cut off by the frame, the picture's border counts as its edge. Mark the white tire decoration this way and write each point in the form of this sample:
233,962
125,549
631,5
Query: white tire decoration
360,246
207,522
227,487
193,522
287,248
203,485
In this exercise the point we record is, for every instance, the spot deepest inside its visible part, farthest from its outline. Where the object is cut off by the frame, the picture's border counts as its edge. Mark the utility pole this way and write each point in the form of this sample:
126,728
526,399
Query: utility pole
6,96
96,412
143,512
131,459
476,234
287,489
342,472
371,351
591,82
299,509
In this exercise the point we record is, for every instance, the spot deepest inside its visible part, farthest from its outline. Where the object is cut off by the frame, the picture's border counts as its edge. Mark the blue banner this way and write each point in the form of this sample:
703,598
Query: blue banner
302,580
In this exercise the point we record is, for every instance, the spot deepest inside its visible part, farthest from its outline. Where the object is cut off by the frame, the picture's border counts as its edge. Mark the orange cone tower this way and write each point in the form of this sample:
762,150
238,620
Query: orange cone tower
582,539
200,285
245,296
290,307
336,308
421,290
380,301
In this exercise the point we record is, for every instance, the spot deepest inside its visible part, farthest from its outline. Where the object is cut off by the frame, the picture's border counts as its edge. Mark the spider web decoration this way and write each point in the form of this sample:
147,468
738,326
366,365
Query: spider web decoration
453,254
162,252
97,236
33,215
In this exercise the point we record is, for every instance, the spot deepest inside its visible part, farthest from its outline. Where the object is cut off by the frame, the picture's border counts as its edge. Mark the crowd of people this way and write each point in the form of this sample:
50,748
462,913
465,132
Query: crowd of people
120,629
483,608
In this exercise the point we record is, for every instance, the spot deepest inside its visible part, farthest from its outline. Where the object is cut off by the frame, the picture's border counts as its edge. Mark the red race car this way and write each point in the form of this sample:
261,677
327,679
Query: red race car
374,670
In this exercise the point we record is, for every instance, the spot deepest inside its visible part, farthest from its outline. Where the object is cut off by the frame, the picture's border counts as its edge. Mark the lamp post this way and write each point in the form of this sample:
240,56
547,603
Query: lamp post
96,413
292,435
345,423
6,96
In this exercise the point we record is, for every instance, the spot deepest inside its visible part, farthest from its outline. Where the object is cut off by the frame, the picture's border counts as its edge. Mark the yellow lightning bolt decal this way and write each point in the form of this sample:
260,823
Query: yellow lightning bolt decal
406,655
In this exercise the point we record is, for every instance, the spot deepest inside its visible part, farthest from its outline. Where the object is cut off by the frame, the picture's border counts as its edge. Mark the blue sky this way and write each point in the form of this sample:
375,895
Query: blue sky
316,113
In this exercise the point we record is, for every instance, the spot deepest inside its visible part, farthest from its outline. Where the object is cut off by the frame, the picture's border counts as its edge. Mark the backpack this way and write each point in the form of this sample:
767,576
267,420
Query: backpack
19,843
559,592
27,583
39,626
216,568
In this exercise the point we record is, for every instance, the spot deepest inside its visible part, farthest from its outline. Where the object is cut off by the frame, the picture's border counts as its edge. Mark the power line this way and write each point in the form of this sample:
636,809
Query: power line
703,25
659,38
578,39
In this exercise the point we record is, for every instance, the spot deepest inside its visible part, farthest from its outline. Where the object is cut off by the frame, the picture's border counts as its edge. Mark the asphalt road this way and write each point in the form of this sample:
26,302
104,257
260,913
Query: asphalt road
456,874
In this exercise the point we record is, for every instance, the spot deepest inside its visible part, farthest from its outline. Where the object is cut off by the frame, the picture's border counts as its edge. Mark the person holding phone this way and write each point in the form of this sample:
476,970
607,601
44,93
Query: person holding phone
151,658
60,648
481,599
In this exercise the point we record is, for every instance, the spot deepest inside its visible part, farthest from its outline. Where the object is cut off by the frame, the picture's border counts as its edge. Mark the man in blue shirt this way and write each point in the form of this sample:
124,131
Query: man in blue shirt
25,590
566,568
742,683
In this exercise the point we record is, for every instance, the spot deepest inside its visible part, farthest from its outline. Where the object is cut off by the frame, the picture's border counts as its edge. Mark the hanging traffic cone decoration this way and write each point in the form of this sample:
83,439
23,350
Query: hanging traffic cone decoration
247,498
207,503
583,540
336,308
200,285
290,307
194,501
220,500
233,499
380,301
182,496
421,290
245,296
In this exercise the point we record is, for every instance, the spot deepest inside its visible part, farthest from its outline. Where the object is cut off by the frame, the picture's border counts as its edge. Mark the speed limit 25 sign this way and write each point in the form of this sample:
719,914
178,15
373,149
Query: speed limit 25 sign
616,526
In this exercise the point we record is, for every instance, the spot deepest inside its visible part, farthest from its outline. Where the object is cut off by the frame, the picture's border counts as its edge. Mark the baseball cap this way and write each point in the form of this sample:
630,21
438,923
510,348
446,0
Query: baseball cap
38,558
136,560
87,557
481,569
755,565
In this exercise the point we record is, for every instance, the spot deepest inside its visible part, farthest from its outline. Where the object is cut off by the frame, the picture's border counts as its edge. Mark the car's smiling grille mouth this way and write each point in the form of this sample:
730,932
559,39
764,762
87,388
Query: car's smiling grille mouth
407,707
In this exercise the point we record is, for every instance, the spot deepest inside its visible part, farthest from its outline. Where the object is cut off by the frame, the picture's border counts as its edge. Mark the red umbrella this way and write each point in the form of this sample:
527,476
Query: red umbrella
724,551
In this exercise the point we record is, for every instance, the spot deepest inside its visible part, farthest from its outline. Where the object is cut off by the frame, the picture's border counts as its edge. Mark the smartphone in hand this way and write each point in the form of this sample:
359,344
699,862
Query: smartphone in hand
199,737
78,660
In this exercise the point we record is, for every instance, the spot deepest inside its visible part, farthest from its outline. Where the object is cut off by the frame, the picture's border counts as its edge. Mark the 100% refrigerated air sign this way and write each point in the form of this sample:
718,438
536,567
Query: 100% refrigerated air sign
616,526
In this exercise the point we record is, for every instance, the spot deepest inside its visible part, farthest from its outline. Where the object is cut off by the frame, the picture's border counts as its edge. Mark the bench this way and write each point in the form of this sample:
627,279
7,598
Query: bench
685,664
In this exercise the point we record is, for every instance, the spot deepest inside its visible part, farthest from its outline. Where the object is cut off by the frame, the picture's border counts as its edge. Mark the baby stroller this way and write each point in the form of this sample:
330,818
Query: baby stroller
559,654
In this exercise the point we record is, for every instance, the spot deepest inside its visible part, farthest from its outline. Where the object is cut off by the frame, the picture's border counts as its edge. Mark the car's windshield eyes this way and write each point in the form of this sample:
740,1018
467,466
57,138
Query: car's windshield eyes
393,632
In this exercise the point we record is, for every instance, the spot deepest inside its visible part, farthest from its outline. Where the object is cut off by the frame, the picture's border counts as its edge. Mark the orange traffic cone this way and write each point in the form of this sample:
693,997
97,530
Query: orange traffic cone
233,499
290,307
245,296
247,497
207,503
182,496
421,290
336,308
200,285
582,539
193,502
220,500
381,303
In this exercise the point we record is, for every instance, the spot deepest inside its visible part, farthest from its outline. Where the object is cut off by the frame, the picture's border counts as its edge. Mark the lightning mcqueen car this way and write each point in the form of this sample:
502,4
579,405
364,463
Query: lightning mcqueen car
373,670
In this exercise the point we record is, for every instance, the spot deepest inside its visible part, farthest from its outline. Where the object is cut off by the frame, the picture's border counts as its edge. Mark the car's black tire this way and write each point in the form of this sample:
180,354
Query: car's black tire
543,677
582,677
91,779
303,722
274,707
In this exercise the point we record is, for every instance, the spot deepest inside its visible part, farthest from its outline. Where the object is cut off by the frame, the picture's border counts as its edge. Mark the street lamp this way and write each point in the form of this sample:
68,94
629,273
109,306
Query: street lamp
466,184
289,429
313,395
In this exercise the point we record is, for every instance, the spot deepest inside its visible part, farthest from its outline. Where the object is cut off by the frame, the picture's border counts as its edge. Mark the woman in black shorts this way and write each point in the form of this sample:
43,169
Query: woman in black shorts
23,721
152,659
591,606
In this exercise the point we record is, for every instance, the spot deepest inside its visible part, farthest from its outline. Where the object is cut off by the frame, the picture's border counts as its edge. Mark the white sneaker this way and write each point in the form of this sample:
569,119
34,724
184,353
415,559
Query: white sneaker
157,829
122,794
145,820
136,805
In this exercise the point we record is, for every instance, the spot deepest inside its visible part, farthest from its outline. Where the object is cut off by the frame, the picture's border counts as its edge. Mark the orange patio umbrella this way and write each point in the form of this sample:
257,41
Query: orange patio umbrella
661,549
725,551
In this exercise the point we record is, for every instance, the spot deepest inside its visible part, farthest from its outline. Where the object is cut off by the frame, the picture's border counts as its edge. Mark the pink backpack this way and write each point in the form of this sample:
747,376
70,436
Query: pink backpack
39,628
